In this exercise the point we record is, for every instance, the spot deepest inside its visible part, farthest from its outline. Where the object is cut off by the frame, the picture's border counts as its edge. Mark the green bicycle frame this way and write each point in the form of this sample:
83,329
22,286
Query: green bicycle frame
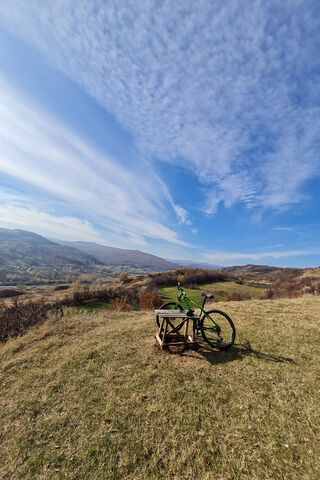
188,303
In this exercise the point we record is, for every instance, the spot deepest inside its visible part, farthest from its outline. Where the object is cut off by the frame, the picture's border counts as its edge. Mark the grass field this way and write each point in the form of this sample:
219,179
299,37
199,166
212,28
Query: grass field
87,308
89,396
169,294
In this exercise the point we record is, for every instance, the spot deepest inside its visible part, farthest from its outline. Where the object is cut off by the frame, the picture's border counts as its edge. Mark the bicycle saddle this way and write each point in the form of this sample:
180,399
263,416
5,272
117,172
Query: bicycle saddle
207,295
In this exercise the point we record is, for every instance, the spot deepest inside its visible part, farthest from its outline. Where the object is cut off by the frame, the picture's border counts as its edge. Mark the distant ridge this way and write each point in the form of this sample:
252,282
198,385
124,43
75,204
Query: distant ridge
26,249
191,264
120,256
22,248
263,272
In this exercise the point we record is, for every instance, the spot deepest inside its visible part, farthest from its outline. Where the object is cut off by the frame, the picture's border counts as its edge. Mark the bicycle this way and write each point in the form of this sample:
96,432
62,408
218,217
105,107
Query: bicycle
215,326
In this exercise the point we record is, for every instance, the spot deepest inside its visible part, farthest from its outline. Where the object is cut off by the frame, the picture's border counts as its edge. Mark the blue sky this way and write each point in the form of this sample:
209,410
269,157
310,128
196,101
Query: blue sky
190,130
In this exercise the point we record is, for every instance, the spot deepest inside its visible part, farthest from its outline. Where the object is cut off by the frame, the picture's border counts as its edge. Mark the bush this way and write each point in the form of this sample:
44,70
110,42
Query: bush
268,294
287,289
120,304
10,292
150,300
238,296
59,288
149,284
123,277
19,317
220,293
190,276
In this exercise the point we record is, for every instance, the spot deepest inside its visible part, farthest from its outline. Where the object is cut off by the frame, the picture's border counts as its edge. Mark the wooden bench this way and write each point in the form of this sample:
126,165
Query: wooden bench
170,334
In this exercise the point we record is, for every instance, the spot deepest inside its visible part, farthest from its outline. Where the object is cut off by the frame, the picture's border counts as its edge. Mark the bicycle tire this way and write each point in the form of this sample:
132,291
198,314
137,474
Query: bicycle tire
210,334
169,306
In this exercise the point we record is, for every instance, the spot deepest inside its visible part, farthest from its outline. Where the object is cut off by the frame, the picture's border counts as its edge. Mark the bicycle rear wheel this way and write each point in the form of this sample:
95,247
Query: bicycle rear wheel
170,306
217,329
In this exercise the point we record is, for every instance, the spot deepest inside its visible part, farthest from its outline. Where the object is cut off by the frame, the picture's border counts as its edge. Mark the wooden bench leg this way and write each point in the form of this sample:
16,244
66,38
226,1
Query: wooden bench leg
161,327
186,328
164,333
160,335
193,330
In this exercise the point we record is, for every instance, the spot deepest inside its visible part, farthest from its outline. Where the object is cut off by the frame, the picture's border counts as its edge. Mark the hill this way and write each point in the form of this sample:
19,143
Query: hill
89,396
262,272
25,249
281,282
119,256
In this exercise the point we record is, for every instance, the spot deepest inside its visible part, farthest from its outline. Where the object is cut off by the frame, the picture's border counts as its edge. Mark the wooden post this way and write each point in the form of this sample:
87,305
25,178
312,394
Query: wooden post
186,328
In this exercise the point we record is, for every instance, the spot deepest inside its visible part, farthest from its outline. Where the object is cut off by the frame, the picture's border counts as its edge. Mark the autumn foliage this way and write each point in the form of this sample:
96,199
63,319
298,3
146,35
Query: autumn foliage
150,300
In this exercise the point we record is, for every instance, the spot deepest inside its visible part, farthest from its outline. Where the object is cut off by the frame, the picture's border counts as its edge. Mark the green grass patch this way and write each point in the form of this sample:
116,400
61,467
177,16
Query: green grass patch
87,308
219,289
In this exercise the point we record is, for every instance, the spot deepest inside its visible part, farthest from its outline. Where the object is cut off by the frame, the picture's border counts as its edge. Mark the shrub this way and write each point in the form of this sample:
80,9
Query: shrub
59,288
123,277
10,292
238,296
120,304
149,284
78,296
287,289
190,275
101,295
150,300
19,317
220,293
268,294
16,318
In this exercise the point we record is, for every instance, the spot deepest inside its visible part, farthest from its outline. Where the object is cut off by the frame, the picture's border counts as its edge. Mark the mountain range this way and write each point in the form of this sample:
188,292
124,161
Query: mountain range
25,249
120,256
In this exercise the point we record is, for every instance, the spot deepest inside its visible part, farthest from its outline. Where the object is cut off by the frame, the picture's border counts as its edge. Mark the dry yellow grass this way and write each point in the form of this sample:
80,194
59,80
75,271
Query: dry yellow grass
90,397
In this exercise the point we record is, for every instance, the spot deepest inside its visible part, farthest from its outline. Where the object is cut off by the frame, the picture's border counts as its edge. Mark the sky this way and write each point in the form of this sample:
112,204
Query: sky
190,130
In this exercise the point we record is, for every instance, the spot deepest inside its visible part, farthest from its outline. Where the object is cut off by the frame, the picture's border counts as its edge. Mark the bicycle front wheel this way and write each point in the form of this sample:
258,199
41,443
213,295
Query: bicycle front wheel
170,306
217,329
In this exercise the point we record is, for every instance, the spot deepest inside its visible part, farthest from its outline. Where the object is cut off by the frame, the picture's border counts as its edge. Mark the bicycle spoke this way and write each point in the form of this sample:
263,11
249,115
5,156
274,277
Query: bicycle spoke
218,330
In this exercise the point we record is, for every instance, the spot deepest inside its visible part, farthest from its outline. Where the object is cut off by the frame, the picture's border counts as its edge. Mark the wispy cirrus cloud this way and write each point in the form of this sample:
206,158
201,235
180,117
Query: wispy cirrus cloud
180,212
63,227
72,176
233,257
226,89
283,229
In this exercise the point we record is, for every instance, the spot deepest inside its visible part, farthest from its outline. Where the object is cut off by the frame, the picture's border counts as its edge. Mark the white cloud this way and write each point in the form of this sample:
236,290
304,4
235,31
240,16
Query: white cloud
36,150
180,212
226,89
222,257
63,227
283,229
